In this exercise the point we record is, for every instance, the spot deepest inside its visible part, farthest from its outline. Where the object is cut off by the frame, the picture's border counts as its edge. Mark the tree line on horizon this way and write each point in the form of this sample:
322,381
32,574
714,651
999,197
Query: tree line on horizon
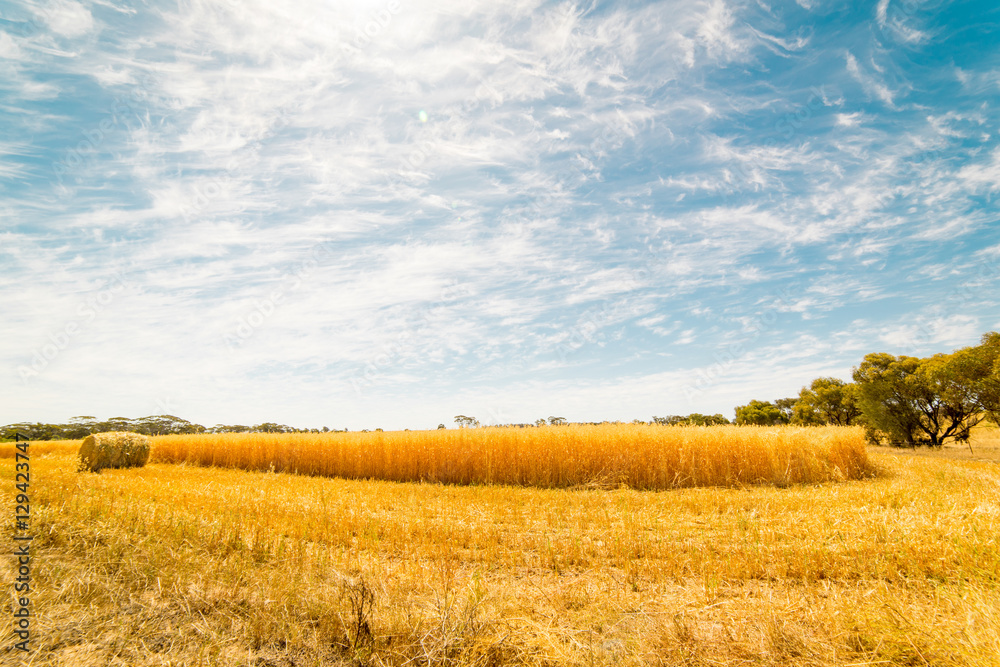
902,401
81,427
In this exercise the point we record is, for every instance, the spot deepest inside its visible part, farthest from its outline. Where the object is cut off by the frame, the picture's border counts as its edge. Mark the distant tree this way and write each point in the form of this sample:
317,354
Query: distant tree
887,396
115,424
950,403
693,419
698,419
78,427
910,401
540,422
441,426
980,365
557,421
164,425
466,422
827,400
760,413
272,427
786,405
234,428
9,431
82,426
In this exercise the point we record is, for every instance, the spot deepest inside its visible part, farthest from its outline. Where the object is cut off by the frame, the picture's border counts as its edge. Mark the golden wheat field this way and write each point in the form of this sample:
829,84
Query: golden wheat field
634,455
185,564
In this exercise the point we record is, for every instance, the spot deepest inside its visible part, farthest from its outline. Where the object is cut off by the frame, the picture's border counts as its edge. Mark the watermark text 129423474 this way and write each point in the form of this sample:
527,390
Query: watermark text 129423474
22,545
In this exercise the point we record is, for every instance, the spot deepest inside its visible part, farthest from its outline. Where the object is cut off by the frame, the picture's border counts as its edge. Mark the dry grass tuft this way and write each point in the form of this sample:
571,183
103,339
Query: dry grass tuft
42,448
604,456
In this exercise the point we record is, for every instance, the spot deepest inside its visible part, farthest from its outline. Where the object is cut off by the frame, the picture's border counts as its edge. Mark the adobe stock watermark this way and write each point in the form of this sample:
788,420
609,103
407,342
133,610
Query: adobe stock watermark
82,155
60,339
498,416
391,352
165,405
42,14
484,92
588,329
726,357
236,169
418,153
956,301
611,133
898,10
785,129
793,121
378,22
264,308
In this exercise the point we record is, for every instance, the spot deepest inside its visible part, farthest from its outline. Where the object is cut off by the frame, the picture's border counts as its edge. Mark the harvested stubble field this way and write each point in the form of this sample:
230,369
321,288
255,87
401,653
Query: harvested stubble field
188,565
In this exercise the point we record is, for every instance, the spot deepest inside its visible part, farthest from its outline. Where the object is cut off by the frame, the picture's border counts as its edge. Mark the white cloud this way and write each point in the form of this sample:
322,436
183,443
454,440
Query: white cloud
782,46
897,24
933,334
67,18
716,26
850,119
982,175
8,47
867,81
880,12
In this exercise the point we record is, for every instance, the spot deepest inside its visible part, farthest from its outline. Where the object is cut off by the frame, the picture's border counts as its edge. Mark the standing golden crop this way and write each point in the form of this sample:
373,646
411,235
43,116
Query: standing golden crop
638,456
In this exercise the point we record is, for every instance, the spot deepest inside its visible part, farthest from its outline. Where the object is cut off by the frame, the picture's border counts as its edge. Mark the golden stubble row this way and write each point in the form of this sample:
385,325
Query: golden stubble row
638,456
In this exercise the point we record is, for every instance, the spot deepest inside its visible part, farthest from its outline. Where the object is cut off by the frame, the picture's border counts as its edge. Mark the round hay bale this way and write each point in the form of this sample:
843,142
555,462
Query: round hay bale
116,449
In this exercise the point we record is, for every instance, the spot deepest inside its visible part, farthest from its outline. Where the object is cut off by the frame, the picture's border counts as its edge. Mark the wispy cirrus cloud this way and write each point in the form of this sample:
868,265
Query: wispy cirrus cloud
330,212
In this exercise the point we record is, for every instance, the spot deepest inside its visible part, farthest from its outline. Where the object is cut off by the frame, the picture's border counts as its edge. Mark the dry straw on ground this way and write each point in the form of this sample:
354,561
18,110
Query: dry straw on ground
184,565
116,449
645,457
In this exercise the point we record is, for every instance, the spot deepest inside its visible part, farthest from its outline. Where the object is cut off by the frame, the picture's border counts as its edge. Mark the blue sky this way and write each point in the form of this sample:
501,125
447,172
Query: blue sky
385,214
